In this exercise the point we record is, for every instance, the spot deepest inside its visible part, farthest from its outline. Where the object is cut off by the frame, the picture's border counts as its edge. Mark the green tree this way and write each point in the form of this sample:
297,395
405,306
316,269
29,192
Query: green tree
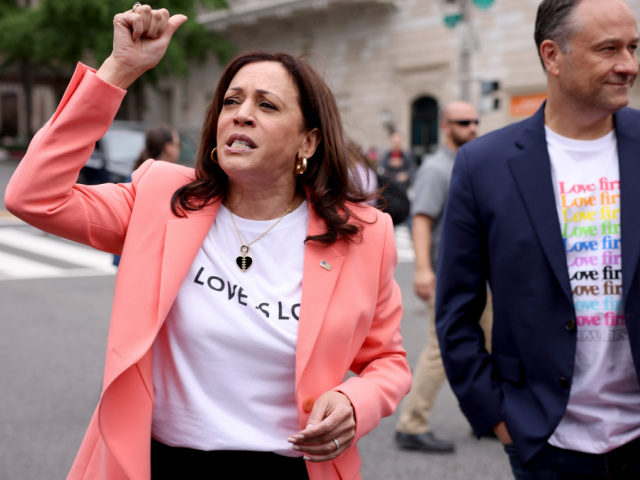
17,48
52,35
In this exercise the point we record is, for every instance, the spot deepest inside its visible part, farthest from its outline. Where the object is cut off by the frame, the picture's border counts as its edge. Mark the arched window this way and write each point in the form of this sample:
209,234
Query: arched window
424,126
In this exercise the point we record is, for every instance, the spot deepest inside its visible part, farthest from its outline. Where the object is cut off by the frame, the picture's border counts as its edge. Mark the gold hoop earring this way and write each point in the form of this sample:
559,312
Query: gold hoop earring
301,166
214,157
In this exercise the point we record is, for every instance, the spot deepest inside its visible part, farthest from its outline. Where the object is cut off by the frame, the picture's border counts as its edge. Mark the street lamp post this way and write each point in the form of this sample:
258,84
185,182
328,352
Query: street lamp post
461,15
466,51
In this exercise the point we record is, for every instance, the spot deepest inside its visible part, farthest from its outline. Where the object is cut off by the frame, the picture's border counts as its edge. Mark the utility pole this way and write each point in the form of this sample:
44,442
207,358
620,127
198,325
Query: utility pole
466,51
461,15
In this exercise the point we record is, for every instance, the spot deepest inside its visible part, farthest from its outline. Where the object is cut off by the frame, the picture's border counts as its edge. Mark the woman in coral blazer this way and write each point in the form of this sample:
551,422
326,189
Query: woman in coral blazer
348,316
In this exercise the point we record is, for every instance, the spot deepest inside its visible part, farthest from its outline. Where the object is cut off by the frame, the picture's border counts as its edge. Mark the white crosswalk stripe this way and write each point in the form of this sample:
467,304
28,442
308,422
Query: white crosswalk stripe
403,244
28,253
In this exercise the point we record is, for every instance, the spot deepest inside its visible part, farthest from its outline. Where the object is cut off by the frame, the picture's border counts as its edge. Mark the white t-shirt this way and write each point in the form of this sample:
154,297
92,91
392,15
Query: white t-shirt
604,403
224,361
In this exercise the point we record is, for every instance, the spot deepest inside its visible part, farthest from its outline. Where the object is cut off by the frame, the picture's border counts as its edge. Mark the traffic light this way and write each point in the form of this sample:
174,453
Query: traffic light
489,99
454,10
452,19
489,86
484,4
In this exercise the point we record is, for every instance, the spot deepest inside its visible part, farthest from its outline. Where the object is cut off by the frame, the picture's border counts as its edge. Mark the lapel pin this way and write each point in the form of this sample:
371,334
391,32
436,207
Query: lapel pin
325,265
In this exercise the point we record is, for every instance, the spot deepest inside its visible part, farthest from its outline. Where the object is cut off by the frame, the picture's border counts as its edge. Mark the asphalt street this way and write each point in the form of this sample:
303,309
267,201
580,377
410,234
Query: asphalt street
52,344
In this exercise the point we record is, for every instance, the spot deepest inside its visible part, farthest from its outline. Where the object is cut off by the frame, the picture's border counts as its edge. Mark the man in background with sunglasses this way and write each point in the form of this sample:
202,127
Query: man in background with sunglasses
459,124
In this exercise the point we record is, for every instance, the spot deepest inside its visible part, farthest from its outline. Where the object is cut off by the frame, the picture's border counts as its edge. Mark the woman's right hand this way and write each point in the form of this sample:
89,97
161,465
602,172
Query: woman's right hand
140,40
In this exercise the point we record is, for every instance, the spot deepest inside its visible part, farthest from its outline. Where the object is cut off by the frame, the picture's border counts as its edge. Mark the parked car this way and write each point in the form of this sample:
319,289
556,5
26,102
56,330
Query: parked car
115,154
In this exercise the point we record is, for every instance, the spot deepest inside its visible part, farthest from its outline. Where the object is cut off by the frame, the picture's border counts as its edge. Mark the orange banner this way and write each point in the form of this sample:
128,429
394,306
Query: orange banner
526,105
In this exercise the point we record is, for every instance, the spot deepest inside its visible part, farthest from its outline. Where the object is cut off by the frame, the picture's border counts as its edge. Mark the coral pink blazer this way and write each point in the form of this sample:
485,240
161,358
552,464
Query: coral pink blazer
349,316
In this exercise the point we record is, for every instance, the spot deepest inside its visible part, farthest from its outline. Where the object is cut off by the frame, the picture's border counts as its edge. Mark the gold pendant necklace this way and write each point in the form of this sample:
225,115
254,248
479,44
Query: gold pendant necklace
244,261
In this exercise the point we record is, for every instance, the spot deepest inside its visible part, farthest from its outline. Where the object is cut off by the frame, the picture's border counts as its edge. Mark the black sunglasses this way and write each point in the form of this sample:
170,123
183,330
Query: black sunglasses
465,123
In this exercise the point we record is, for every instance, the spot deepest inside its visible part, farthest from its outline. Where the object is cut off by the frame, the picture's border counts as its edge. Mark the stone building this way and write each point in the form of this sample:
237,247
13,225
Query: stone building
391,63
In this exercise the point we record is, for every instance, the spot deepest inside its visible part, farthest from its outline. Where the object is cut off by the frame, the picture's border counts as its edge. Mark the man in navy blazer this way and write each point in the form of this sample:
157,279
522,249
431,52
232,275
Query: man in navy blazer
547,213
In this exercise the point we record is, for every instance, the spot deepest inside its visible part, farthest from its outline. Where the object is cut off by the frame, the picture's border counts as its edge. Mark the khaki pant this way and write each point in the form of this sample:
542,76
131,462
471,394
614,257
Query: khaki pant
429,375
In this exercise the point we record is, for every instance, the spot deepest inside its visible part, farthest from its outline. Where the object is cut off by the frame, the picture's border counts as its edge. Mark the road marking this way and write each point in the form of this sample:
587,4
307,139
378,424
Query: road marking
404,244
12,266
85,261
73,253
82,261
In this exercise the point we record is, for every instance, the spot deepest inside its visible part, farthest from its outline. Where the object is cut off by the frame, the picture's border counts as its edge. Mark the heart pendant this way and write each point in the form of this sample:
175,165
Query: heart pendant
244,262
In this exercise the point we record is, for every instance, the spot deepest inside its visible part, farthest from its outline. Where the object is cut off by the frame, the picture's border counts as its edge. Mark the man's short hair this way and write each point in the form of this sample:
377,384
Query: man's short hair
554,21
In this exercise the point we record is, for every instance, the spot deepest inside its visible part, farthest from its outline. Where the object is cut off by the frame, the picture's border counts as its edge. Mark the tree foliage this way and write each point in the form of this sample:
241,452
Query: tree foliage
55,34
18,37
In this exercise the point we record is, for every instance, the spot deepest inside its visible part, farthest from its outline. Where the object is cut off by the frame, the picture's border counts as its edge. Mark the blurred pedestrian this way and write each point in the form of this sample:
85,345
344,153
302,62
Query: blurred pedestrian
545,210
459,124
361,172
373,157
161,142
248,288
397,165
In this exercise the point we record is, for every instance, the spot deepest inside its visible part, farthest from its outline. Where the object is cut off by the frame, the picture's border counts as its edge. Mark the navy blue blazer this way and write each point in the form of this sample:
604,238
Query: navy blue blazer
501,226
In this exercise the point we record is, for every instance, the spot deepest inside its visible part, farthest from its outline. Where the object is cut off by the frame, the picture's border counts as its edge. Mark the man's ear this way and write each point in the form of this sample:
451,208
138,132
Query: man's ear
310,143
551,56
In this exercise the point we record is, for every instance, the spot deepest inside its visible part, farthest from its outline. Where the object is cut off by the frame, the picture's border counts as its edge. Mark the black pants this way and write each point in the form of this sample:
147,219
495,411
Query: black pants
551,463
177,463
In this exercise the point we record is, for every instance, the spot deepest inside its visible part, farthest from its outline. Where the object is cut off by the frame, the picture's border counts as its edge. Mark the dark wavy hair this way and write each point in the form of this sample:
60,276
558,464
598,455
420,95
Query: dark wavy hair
555,20
326,183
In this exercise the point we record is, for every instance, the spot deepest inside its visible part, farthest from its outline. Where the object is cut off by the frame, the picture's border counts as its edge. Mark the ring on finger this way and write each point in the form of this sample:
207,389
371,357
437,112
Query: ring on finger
135,5
335,440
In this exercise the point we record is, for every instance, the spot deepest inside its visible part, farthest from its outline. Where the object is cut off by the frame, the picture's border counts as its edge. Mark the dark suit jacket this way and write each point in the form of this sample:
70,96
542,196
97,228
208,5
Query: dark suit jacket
501,226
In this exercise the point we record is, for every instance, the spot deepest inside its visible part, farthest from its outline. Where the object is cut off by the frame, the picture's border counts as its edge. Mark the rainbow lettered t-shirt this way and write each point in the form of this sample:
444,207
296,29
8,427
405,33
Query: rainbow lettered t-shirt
604,404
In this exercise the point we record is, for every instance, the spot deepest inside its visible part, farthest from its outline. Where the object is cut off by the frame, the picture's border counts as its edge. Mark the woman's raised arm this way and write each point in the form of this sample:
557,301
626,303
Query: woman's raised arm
140,40
43,189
